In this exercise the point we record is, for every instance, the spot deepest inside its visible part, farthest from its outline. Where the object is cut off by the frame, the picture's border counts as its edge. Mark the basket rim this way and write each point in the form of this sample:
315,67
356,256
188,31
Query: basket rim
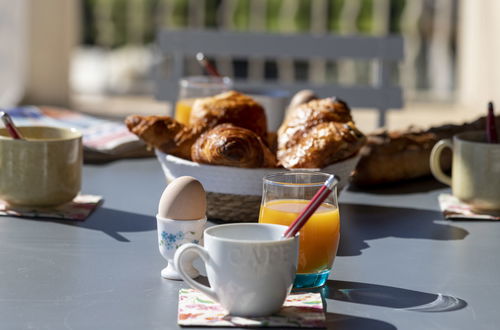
187,162
241,181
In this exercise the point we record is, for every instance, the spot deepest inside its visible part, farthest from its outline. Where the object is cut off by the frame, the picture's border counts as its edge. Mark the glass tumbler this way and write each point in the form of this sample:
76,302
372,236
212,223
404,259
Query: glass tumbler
191,88
284,196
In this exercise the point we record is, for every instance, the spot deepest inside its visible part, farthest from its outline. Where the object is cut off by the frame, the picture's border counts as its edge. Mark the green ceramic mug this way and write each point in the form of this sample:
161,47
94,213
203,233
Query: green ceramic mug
475,175
44,169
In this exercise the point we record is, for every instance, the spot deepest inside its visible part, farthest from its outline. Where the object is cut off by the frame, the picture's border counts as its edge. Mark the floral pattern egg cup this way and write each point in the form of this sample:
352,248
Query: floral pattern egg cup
171,235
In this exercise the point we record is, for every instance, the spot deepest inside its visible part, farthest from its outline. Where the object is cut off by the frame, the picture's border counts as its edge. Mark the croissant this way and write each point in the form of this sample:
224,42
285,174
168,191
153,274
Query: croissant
164,133
230,145
229,107
172,137
318,133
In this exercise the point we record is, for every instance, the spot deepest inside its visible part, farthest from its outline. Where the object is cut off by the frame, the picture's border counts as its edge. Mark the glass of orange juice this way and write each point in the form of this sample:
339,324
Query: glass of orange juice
191,88
284,196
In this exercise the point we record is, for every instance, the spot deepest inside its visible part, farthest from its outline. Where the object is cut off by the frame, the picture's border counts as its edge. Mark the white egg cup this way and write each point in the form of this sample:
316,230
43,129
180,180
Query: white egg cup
171,235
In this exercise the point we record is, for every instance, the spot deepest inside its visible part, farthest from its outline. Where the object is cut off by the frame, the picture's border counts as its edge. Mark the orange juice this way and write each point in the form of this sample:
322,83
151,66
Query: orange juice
183,110
319,238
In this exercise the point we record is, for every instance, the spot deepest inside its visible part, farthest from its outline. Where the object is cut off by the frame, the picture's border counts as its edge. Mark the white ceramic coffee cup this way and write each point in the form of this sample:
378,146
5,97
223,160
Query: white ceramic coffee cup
44,169
475,174
250,267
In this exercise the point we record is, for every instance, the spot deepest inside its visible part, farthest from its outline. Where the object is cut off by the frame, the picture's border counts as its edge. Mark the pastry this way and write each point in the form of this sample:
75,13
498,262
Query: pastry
163,133
172,137
318,133
229,107
230,145
301,97
401,155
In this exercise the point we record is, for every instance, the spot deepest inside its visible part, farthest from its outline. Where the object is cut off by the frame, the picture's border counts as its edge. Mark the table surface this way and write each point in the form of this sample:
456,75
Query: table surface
399,265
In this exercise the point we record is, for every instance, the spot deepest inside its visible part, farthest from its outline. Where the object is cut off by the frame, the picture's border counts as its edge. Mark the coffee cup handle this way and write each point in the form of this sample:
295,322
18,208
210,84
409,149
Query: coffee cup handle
435,161
178,262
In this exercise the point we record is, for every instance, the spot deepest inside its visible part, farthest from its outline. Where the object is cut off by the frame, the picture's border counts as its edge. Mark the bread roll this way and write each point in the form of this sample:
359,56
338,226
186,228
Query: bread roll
395,156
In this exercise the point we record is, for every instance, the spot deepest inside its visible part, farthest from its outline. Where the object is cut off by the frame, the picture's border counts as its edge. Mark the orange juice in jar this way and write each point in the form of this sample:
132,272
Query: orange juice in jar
285,195
191,88
183,110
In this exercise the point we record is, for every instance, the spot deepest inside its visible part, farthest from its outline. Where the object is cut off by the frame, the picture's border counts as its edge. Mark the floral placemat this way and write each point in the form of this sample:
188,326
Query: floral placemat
454,209
301,310
78,209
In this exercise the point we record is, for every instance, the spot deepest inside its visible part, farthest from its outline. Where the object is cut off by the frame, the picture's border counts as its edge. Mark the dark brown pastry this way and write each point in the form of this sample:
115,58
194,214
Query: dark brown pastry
401,155
272,142
230,145
230,107
318,133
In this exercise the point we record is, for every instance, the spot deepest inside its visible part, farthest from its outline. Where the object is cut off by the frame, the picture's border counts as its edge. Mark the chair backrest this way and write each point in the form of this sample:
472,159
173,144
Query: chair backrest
382,51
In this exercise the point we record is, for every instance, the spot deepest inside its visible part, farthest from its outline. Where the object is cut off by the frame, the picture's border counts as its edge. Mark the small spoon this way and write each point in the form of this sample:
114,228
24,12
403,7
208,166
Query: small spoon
201,58
9,125
491,130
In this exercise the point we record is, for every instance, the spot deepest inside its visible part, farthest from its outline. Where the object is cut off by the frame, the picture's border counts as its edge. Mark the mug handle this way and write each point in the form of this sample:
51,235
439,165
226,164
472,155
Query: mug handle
178,262
435,160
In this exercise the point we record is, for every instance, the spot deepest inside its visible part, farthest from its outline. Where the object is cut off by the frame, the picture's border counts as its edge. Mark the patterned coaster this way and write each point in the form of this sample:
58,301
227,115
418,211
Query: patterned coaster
302,310
78,209
453,209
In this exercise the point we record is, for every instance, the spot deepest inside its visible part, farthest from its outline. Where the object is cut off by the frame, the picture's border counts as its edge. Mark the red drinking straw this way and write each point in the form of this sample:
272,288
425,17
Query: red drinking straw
200,57
491,130
9,125
313,205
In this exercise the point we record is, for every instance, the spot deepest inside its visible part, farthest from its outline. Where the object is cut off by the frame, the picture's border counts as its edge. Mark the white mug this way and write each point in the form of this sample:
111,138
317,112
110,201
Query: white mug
250,267
475,174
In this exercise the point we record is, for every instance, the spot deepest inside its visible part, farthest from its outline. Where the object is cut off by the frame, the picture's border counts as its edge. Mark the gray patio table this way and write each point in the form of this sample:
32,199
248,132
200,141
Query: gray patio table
399,265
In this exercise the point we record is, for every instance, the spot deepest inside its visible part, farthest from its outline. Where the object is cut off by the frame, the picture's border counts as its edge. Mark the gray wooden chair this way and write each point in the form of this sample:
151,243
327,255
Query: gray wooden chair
178,45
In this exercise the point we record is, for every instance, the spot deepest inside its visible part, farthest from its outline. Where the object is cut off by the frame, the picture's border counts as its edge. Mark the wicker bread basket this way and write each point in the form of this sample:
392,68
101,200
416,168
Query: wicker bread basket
234,194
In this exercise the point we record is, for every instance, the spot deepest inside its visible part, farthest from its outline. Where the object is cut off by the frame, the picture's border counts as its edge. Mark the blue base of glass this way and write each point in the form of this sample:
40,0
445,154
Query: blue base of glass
315,280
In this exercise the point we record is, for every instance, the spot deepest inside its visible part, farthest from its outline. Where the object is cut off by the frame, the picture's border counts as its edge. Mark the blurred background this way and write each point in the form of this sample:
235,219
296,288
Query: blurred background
98,56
